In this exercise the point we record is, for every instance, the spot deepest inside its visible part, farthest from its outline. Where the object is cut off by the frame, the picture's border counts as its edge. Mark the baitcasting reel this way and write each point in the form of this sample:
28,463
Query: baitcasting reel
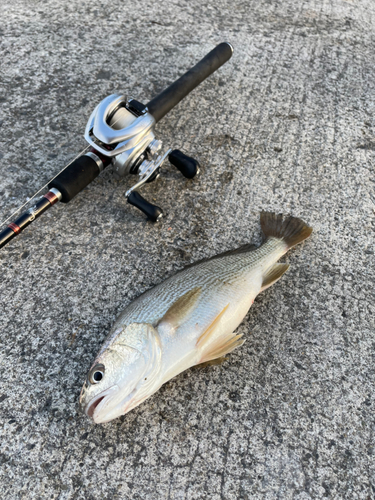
123,130
120,132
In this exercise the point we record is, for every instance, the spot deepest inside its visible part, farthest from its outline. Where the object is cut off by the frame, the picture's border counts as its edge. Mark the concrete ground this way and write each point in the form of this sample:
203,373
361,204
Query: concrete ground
286,125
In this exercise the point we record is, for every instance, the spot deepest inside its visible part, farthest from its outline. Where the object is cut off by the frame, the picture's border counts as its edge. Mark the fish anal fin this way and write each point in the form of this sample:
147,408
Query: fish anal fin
206,335
181,308
273,274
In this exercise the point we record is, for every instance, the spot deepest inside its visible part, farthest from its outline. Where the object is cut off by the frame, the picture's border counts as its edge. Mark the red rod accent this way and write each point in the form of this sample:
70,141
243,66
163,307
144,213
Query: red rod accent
51,197
16,229
106,160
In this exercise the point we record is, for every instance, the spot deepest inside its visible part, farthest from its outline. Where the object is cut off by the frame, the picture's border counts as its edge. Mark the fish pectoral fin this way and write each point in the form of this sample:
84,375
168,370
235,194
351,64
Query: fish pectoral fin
221,347
212,349
204,338
181,308
273,274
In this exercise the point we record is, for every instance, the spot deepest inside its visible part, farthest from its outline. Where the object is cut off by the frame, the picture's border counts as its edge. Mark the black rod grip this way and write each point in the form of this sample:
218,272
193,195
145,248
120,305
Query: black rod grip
160,105
75,177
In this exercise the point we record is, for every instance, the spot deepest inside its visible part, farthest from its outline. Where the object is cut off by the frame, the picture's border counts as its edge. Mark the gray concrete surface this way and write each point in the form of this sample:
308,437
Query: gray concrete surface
286,125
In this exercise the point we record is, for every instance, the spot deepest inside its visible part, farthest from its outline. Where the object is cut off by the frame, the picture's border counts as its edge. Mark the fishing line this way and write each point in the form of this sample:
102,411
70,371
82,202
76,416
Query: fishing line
50,180
41,189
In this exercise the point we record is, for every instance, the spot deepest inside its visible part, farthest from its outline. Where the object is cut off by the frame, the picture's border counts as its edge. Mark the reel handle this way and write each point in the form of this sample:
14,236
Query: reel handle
153,212
160,105
189,167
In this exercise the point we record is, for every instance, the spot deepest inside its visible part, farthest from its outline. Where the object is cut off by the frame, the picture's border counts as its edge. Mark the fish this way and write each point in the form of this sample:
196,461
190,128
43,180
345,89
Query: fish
188,319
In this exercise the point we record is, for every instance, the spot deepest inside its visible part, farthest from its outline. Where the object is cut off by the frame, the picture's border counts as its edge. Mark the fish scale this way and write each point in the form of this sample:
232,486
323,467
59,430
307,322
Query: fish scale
188,319
225,269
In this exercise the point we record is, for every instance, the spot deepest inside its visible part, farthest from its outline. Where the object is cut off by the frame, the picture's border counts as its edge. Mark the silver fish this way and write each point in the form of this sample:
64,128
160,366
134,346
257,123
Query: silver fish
188,319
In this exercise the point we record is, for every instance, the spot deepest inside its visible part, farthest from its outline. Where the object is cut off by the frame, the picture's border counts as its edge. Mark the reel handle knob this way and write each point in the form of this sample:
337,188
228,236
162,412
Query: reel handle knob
153,212
189,167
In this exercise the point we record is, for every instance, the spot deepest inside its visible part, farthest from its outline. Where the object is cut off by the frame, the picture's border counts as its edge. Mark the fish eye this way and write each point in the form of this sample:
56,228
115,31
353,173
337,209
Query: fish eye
96,374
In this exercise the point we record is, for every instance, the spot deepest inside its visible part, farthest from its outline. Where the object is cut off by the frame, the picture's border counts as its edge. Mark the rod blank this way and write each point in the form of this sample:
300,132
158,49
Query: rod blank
28,217
160,105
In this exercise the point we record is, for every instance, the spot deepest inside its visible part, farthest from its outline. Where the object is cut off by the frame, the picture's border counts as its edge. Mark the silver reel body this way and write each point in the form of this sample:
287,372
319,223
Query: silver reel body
122,132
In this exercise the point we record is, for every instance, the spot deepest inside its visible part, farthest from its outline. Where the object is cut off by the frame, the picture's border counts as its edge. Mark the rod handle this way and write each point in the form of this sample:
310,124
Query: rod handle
160,105
77,176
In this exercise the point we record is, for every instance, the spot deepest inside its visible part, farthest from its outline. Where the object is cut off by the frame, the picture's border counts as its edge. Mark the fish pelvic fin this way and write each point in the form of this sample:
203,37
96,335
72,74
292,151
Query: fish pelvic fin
181,308
212,362
212,349
273,274
290,229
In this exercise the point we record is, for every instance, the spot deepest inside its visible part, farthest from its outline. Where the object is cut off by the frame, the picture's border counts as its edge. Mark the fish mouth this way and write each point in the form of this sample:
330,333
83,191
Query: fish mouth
96,407
90,410
99,402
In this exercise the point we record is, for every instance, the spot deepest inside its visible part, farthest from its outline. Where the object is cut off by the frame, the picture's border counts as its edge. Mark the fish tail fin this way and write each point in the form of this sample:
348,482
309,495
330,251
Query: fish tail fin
289,229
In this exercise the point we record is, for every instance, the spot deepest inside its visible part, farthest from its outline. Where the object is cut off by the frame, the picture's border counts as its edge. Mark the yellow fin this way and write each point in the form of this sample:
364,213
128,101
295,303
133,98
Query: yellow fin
213,362
273,274
204,337
223,346
219,347
181,308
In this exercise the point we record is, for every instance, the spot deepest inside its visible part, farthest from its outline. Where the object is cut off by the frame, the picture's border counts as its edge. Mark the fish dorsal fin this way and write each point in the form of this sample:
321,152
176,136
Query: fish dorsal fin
273,274
216,348
181,308
249,247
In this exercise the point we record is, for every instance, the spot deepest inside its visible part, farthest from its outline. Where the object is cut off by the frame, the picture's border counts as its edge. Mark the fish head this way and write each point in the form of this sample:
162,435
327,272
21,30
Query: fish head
124,373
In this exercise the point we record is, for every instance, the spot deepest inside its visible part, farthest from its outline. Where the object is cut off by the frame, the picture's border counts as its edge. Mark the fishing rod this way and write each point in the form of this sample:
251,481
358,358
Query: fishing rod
120,132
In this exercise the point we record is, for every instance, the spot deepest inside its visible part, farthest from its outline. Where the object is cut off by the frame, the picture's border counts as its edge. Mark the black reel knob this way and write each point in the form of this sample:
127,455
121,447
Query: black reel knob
153,212
189,167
